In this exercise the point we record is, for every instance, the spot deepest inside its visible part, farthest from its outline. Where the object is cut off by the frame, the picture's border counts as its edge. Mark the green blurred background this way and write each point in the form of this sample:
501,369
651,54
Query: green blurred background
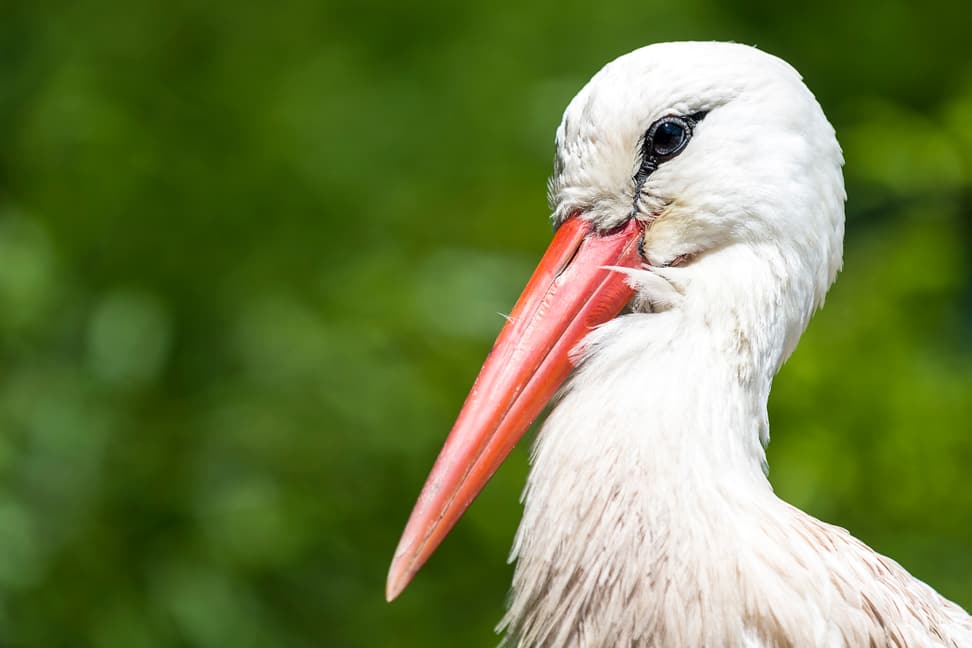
252,256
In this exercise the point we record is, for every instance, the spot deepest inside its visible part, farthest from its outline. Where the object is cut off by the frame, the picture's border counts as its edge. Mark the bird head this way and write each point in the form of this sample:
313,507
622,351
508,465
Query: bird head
708,145
684,158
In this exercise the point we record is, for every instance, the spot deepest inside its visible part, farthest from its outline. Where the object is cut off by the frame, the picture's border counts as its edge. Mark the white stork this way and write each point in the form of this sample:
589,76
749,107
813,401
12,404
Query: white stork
697,187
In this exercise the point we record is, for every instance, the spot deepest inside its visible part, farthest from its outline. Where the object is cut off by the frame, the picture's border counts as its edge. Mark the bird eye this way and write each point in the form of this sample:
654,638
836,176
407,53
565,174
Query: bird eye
667,137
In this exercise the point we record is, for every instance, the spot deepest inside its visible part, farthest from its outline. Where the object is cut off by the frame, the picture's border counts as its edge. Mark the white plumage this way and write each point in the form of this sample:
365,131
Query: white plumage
648,519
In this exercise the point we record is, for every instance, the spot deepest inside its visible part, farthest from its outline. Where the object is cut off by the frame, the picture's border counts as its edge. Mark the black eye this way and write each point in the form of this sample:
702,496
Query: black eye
667,137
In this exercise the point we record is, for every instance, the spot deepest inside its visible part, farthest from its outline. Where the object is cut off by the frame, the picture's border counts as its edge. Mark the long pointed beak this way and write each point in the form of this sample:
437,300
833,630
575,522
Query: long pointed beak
570,292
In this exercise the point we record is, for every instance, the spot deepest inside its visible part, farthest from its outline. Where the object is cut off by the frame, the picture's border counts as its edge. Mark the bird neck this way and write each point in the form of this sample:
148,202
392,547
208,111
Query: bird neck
656,444
686,389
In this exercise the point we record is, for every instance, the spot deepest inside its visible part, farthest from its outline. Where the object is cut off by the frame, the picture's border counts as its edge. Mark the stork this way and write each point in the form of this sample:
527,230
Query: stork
698,202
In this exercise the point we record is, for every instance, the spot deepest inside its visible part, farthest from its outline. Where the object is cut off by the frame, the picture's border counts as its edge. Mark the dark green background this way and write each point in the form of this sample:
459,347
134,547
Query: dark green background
251,259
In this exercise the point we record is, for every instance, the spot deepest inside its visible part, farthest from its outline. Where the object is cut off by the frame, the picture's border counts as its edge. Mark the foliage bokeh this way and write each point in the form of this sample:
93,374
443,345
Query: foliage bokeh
251,258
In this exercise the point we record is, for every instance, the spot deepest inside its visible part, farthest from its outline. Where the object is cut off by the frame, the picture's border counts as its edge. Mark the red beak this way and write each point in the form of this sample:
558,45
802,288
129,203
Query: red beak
570,292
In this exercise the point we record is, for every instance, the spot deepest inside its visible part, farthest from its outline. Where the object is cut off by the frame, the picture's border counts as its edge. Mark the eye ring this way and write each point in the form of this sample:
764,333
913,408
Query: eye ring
663,140
667,137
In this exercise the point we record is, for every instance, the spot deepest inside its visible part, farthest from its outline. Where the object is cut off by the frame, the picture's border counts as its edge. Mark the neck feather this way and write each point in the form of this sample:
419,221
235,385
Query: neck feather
658,437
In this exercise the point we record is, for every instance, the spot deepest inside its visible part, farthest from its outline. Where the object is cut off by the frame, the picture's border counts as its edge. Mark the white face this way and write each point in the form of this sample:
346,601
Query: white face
760,164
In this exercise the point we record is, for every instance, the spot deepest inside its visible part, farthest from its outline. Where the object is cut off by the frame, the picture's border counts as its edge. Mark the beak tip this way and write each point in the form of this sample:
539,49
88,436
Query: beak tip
398,580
